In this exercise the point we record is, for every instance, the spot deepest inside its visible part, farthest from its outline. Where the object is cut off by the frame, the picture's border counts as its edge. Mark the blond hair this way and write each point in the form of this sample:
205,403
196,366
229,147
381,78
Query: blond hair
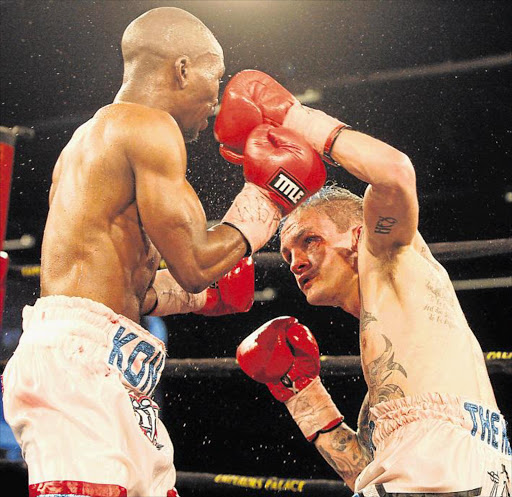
342,206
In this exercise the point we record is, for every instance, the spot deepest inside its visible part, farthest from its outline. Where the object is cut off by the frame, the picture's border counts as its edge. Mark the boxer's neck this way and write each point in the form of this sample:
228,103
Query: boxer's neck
154,93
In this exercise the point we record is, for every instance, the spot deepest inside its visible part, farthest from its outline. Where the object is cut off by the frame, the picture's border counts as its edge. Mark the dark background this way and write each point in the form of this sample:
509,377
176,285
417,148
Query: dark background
431,78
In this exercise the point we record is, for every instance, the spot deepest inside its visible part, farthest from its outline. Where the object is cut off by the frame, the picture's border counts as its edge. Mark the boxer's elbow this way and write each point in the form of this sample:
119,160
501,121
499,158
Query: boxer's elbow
395,176
194,288
194,283
192,279
400,173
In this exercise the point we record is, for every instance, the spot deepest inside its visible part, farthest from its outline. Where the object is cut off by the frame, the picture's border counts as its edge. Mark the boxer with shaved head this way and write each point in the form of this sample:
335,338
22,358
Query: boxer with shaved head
78,389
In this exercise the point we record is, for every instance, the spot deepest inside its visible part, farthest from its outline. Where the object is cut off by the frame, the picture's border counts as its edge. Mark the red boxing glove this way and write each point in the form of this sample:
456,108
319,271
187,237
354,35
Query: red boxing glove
233,293
284,355
252,98
284,165
281,170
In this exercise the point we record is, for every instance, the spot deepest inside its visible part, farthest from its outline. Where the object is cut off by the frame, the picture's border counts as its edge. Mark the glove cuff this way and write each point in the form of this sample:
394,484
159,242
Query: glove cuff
314,411
172,299
317,127
254,215
230,155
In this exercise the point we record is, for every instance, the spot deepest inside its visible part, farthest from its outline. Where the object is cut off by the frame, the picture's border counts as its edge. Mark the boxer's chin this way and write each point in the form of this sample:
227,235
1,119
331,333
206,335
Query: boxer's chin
190,135
314,300
316,296
312,297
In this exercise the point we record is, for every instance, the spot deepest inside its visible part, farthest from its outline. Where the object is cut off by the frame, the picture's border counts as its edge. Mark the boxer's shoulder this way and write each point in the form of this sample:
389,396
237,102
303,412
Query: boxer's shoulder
135,118
143,132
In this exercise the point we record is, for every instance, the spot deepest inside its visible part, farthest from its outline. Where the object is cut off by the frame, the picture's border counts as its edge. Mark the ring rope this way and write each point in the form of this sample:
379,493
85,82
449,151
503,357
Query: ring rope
217,484
444,251
498,362
224,484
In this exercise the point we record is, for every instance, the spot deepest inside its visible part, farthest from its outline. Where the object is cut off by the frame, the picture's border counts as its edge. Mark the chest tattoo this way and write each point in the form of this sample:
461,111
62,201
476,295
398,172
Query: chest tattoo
440,304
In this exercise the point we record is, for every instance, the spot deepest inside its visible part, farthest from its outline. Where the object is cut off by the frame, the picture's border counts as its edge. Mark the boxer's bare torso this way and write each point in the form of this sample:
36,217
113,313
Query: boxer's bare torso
94,243
413,334
414,338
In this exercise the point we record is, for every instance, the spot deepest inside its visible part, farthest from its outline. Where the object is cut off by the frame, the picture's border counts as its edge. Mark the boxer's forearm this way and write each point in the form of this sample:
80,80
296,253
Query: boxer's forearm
196,265
370,159
166,297
344,450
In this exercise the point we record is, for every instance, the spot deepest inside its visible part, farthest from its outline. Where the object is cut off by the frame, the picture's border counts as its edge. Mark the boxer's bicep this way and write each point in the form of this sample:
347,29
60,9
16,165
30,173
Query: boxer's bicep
391,214
174,219
390,203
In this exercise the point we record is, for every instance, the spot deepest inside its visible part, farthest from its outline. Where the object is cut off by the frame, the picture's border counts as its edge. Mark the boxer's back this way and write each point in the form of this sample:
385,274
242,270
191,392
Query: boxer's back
94,245
414,336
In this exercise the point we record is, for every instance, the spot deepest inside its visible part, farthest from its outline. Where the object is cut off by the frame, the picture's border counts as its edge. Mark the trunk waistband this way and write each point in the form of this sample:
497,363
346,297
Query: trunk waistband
484,423
122,343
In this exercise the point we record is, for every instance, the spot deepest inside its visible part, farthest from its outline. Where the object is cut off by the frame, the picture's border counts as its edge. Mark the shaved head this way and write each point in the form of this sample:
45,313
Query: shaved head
172,62
167,33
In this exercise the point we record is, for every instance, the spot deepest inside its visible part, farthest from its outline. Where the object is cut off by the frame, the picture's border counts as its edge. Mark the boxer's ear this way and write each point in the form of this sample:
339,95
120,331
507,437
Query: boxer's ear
356,235
181,69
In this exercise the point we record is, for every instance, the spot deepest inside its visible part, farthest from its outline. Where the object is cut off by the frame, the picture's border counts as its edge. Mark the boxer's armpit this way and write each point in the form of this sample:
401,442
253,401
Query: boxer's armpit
345,452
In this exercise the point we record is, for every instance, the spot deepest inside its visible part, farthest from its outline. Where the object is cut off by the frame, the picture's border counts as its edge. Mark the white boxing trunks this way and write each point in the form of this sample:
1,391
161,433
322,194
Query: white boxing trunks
437,444
77,395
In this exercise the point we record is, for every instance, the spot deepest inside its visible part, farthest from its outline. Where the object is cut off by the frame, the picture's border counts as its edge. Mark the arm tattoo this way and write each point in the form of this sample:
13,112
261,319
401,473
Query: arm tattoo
344,453
365,318
363,426
385,225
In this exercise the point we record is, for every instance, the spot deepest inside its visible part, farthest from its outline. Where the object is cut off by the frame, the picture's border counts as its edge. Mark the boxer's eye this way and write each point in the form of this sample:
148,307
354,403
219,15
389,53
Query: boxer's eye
286,257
